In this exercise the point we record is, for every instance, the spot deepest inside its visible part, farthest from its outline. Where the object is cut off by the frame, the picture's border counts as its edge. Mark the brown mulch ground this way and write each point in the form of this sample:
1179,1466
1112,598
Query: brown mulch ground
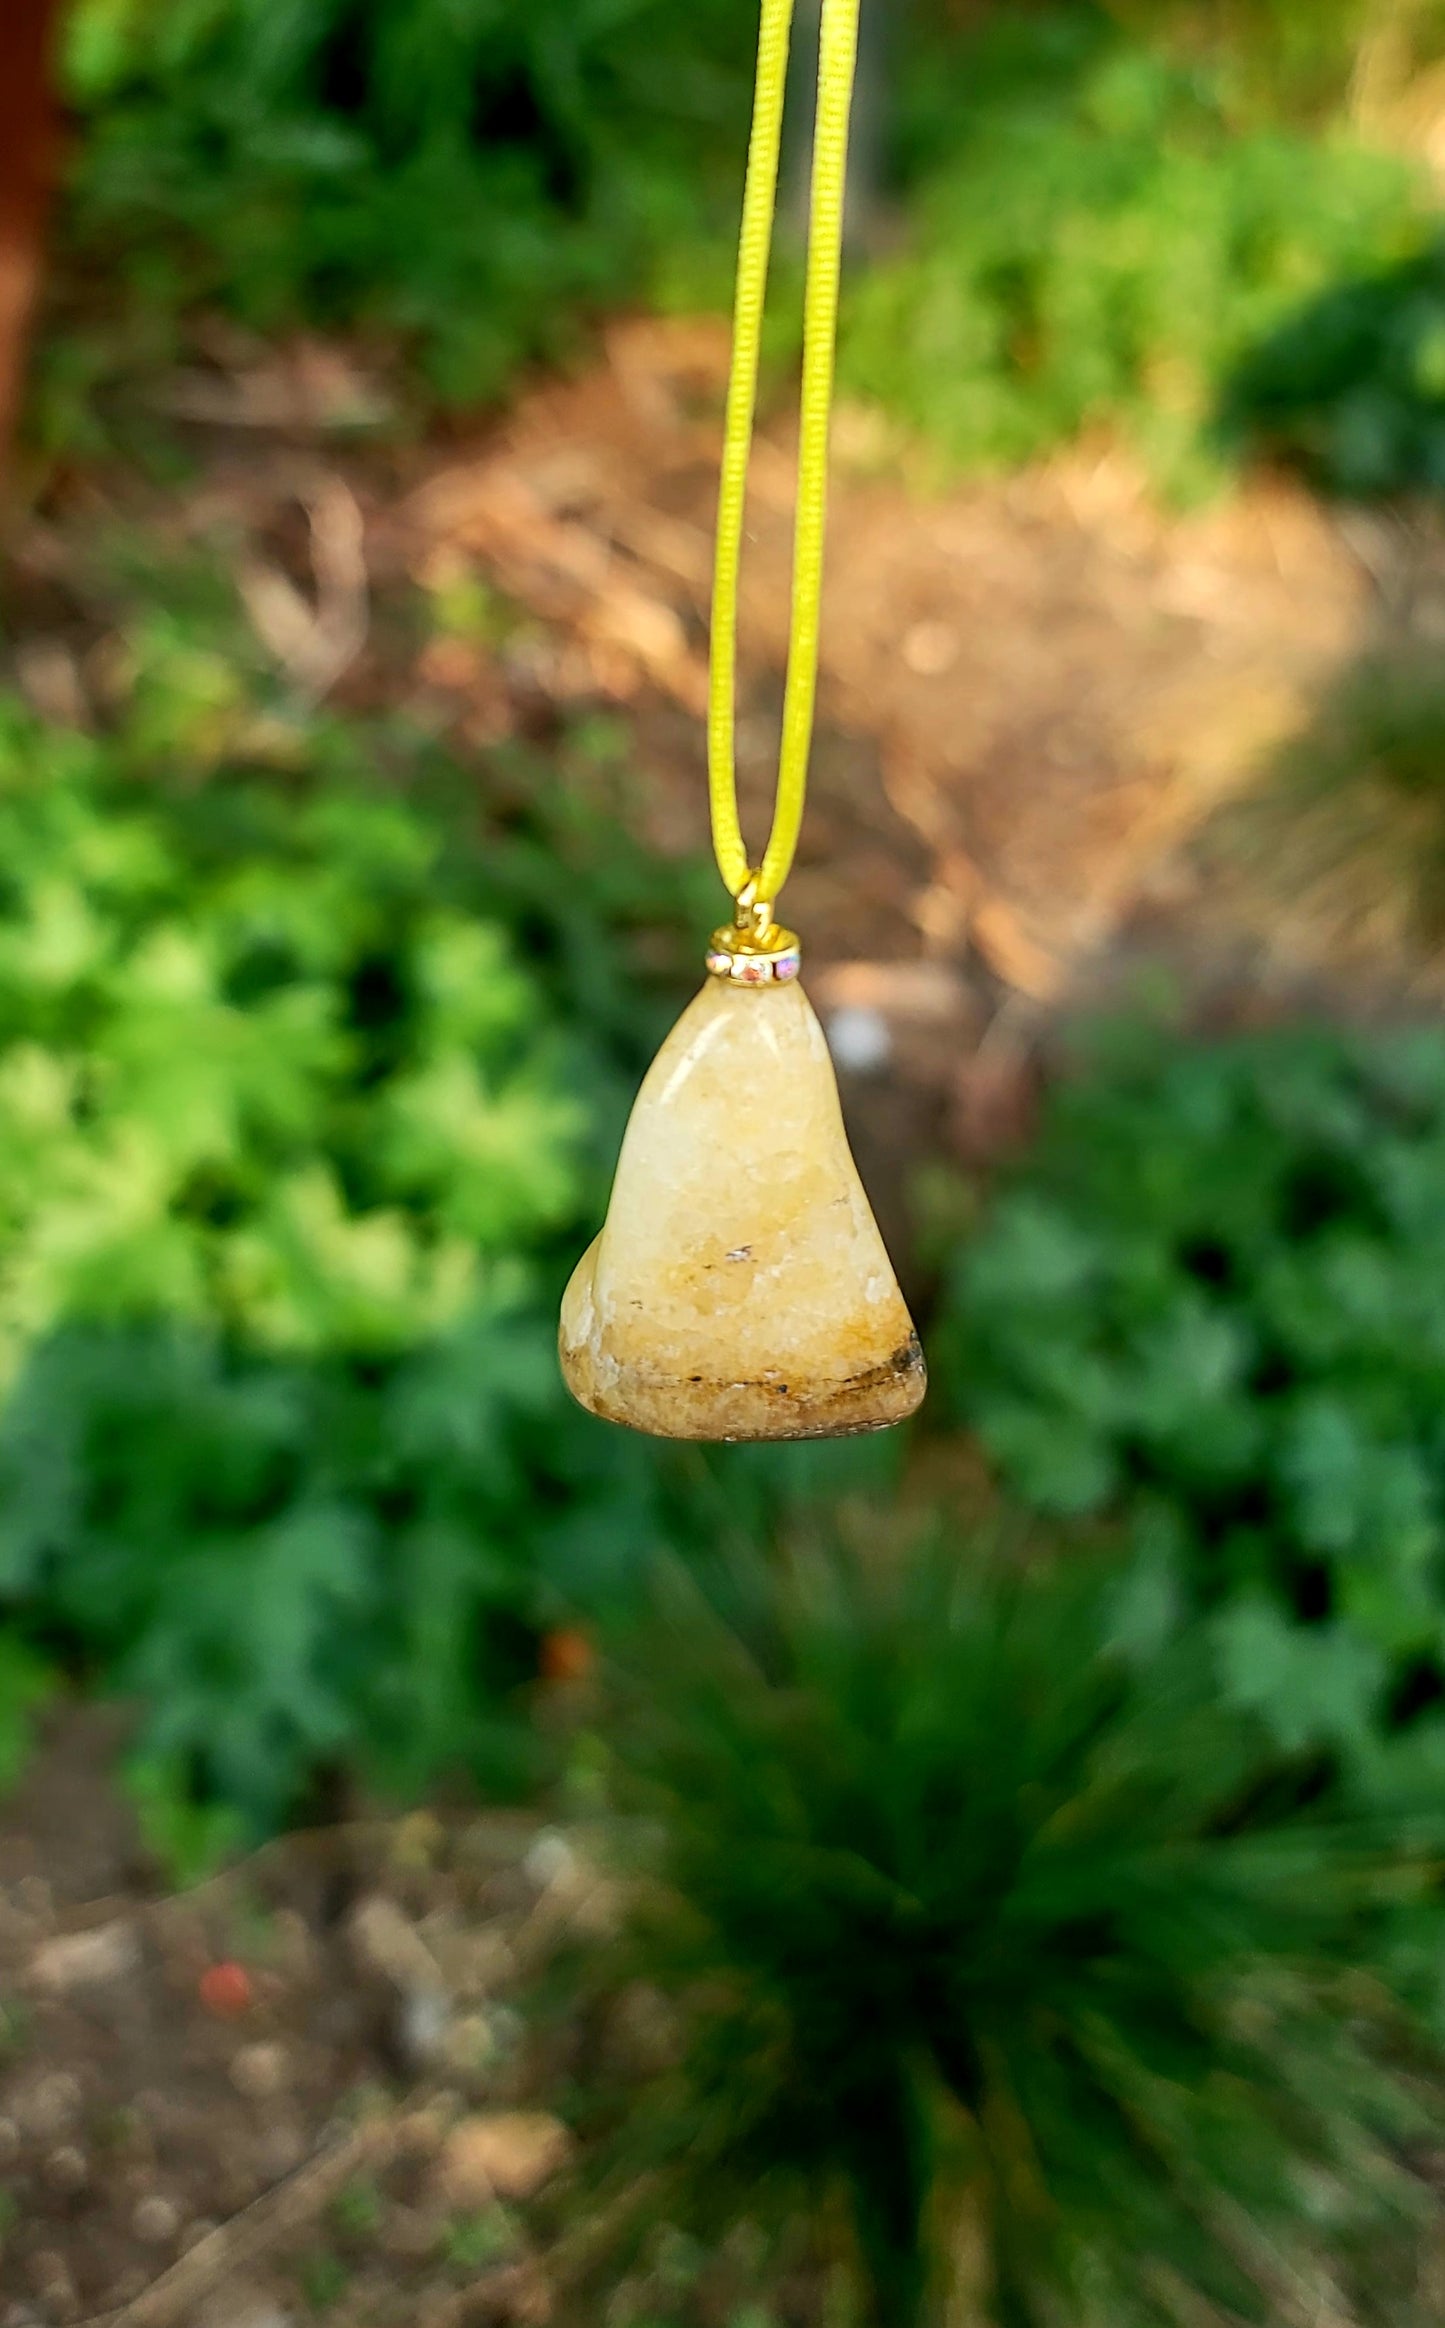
300,2088
1045,683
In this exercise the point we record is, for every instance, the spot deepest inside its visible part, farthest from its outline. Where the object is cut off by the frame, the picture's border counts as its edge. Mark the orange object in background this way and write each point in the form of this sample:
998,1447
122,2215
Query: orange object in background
225,1990
566,1655
29,138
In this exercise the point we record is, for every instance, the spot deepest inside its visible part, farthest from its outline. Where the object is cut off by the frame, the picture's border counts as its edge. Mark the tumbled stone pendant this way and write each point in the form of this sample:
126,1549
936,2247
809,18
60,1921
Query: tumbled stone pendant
739,1288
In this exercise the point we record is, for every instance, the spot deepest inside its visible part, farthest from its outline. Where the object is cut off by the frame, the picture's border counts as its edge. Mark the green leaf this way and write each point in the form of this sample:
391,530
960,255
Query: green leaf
1311,1684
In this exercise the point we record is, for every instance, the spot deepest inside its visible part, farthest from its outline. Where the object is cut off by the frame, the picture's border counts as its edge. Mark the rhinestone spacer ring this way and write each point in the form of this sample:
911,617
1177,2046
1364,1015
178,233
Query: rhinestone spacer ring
755,969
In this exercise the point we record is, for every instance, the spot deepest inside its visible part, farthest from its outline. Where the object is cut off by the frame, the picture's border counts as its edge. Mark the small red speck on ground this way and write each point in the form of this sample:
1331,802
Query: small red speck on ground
225,1990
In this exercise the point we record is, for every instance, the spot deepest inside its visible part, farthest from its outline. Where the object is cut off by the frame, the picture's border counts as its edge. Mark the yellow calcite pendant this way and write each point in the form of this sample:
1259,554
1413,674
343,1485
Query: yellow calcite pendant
740,1288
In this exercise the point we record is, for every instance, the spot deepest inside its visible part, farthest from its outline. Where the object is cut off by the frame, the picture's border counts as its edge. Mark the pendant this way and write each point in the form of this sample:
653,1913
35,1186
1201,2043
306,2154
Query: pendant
739,1288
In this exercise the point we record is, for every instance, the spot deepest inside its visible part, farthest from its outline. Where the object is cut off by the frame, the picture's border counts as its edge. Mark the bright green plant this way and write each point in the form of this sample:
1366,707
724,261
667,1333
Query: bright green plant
295,1155
286,1136
1097,245
1012,1964
282,1085
1212,1305
469,177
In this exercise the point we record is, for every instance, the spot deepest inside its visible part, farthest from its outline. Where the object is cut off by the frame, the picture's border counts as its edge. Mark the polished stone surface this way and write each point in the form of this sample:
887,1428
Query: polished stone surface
740,1288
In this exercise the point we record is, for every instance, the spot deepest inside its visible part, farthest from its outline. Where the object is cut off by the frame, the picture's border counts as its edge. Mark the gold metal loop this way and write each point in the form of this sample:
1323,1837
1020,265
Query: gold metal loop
752,949
753,913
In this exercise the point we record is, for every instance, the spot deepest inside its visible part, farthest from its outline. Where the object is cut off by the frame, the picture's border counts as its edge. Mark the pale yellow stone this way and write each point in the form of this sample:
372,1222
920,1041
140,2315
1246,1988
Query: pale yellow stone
740,1288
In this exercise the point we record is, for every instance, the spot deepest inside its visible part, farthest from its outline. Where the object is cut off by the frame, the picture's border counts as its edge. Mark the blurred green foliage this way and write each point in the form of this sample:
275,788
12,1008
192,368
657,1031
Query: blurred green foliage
1352,389
1011,1962
314,1050
1295,59
467,174
26,1684
1098,243
280,1111
1212,1304
1126,220
255,1067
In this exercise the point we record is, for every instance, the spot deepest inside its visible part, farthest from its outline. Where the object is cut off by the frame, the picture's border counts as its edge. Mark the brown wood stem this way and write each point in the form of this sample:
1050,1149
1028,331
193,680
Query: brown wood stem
28,153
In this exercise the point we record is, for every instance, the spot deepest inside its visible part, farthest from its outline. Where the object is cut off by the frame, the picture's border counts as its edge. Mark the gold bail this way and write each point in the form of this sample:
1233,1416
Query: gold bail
752,949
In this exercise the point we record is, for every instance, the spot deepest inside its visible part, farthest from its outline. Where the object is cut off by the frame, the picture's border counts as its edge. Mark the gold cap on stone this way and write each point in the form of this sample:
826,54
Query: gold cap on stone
751,949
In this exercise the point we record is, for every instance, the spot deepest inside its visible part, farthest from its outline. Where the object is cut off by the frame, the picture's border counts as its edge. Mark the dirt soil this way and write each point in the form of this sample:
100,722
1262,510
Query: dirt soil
300,2088
1045,682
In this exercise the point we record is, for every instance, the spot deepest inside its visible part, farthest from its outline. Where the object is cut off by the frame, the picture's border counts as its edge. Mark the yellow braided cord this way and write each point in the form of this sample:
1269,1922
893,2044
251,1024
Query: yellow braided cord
754,250
836,59
838,49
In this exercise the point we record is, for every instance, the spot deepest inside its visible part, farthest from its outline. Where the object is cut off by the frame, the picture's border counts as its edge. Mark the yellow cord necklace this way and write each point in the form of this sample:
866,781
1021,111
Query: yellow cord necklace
739,1288
837,52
